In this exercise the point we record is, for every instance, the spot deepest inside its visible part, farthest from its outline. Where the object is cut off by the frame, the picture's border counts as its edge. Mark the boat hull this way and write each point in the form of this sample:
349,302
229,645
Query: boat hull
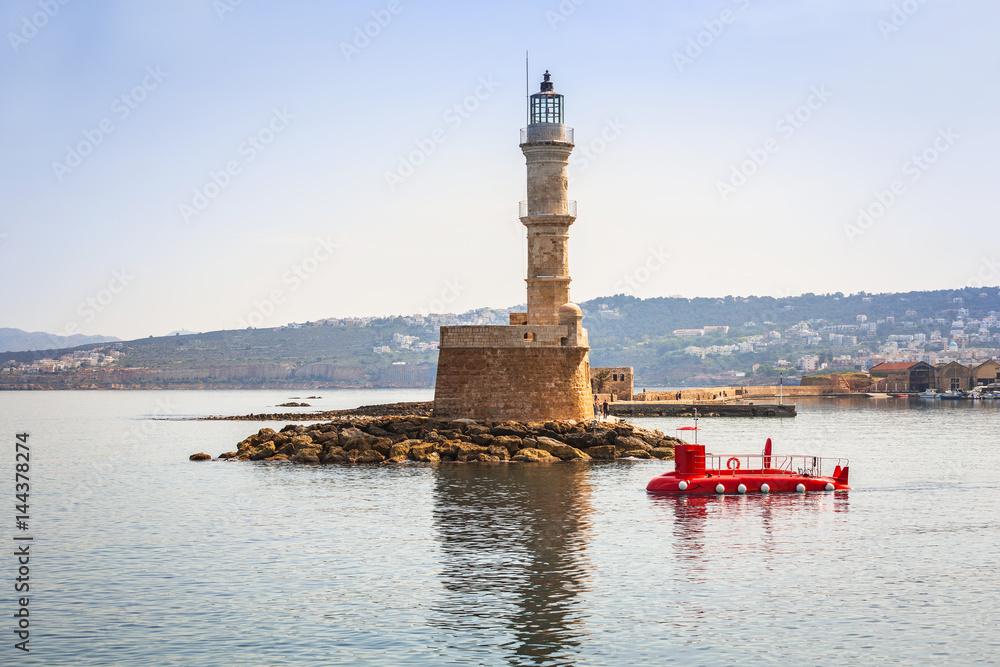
752,481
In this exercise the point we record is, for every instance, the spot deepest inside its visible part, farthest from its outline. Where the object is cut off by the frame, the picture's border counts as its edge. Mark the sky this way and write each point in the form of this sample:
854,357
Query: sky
217,164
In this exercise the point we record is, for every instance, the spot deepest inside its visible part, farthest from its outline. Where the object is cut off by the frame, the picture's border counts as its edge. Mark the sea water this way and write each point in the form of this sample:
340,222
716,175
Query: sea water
141,557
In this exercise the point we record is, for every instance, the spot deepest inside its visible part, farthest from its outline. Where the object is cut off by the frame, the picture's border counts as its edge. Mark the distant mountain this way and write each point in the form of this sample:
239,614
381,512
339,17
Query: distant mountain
16,340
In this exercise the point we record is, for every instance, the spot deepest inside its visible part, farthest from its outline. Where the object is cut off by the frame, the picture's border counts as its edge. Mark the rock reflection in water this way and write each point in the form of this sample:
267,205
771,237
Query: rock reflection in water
513,543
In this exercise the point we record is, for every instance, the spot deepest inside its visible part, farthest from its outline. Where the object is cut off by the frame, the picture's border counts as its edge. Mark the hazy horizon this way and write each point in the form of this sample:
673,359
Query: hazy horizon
192,165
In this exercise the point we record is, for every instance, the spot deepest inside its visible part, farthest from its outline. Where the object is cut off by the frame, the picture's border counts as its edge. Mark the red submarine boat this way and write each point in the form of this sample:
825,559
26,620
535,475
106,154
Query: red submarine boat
697,472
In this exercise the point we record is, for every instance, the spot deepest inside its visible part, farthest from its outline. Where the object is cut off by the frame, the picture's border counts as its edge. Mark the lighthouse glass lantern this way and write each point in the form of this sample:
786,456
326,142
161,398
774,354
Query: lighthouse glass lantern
546,105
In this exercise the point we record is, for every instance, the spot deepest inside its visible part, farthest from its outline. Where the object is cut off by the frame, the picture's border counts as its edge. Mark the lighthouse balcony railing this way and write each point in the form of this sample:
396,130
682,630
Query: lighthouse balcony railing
546,207
760,464
547,132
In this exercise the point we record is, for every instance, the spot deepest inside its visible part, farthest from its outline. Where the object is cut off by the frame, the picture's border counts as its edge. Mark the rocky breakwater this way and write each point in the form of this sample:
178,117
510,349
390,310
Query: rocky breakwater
429,440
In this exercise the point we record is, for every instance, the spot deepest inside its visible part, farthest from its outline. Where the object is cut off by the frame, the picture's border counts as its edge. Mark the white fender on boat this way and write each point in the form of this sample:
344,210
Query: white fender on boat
741,488
829,486
683,486
719,488
764,488
801,488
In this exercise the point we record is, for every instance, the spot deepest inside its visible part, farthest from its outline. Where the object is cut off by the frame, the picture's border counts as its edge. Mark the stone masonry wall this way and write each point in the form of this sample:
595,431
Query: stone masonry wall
503,336
525,384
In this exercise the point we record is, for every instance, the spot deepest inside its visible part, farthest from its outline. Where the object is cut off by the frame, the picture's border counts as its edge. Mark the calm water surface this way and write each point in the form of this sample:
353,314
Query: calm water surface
142,557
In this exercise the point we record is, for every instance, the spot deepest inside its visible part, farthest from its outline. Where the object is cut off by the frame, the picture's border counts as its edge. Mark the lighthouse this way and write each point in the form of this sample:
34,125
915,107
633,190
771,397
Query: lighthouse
548,212
537,366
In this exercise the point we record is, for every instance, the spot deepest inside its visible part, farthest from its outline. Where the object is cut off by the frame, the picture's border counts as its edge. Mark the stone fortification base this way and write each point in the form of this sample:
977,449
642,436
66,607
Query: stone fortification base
510,383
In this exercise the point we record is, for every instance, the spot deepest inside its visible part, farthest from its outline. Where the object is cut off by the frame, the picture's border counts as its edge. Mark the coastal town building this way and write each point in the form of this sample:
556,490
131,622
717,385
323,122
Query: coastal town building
537,366
986,373
952,376
903,377
615,380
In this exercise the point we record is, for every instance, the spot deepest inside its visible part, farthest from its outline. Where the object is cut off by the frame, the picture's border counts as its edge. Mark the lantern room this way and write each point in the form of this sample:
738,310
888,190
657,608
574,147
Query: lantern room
546,106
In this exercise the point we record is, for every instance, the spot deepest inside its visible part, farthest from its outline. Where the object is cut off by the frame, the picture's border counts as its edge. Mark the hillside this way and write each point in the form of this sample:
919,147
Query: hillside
765,336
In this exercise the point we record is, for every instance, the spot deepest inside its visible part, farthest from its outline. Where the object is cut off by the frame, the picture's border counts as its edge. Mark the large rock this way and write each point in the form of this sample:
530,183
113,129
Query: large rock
663,452
262,451
335,455
419,450
530,455
515,429
501,453
509,442
369,456
377,432
636,453
648,436
351,432
255,440
297,444
382,446
399,450
360,443
582,440
399,427
602,452
327,438
308,455
627,443
559,449
202,456
467,451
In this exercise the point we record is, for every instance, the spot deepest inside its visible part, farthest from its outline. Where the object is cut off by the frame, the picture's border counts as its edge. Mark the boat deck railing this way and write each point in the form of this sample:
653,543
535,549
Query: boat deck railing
759,464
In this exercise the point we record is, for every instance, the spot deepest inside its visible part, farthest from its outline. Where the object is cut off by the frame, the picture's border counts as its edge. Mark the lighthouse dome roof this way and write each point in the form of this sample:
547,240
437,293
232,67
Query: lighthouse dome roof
570,308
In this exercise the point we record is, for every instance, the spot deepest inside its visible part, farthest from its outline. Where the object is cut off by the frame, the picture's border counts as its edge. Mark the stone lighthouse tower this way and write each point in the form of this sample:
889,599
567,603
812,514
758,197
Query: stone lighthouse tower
537,367
547,213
